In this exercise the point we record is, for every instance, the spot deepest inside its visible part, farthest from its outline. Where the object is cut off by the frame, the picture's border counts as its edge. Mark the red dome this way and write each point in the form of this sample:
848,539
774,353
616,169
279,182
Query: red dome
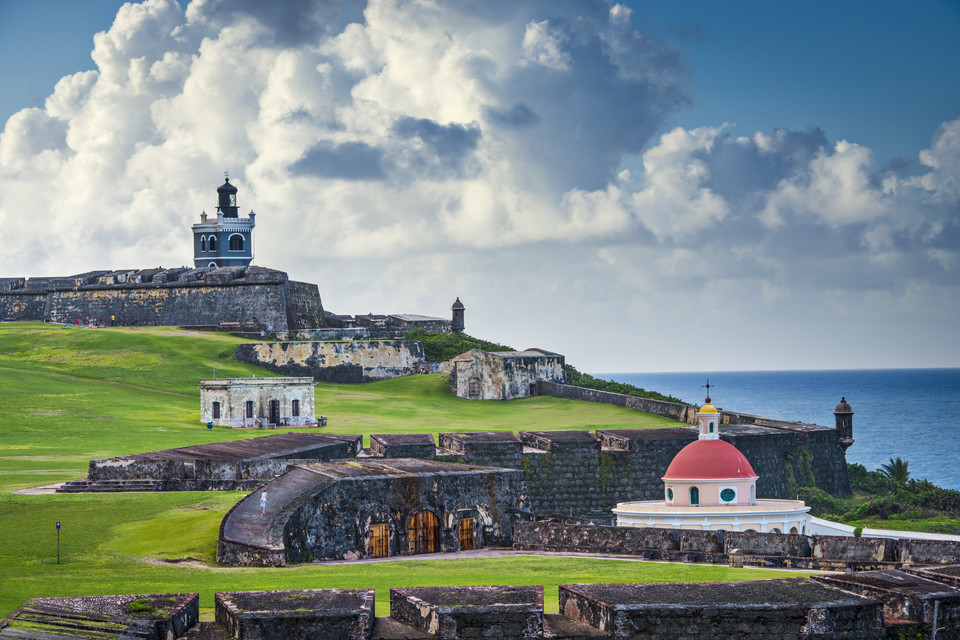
709,460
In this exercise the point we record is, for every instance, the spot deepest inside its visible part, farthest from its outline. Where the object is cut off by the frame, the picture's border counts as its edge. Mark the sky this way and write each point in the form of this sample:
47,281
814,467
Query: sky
643,186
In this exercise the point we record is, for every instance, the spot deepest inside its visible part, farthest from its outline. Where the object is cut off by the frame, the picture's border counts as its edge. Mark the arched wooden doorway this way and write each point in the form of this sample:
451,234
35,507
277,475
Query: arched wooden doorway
424,532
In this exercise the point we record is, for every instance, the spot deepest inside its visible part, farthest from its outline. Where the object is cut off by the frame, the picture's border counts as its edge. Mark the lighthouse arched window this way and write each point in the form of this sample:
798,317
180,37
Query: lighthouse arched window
236,242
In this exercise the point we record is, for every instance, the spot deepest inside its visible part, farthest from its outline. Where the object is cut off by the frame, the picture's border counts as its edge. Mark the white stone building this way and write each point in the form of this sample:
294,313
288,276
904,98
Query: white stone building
503,375
251,402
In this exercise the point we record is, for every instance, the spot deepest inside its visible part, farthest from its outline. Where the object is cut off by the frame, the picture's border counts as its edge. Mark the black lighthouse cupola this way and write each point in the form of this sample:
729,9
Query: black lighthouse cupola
227,197
227,239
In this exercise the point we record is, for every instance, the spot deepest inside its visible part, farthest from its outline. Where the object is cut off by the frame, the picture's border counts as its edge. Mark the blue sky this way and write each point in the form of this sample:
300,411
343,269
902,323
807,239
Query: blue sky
779,177
881,73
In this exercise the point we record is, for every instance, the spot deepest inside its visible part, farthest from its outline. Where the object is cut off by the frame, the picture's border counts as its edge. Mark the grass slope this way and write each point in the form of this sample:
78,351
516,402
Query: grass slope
69,395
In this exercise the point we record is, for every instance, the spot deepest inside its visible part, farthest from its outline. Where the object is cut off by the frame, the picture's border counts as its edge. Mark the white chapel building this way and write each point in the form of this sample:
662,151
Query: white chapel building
710,485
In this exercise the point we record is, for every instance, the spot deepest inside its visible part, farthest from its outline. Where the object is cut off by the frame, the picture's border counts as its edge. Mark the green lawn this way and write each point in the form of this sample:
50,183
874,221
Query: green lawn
69,395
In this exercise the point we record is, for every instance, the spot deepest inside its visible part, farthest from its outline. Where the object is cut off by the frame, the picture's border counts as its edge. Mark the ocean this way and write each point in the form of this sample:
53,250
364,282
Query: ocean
906,413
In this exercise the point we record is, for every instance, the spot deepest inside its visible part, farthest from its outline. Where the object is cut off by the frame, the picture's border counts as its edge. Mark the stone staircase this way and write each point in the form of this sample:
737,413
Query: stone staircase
109,486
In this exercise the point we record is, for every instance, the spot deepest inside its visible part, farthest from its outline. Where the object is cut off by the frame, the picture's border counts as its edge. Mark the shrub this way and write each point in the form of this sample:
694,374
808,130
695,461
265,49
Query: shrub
578,379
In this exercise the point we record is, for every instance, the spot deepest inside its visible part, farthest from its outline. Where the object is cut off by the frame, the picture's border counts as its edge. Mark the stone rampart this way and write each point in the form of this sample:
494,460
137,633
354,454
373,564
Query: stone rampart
786,455
719,547
22,305
352,361
168,297
872,605
682,412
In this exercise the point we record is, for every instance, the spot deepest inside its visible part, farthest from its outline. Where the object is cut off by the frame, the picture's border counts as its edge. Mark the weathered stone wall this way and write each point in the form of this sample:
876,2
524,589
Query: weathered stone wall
786,460
470,612
304,309
682,412
586,477
176,297
759,610
336,361
22,305
929,551
785,455
181,305
345,614
334,521
483,375
760,549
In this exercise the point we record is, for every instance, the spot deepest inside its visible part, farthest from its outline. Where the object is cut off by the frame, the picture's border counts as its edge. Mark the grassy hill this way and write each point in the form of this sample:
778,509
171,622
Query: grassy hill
69,395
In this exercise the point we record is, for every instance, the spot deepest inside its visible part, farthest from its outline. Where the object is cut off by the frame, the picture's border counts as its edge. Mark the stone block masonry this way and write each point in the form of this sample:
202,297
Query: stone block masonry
864,606
352,361
760,610
311,613
786,455
775,550
471,612
206,296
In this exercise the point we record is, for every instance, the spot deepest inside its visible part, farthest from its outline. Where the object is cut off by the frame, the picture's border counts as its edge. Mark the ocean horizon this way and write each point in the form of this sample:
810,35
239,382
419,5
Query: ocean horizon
897,412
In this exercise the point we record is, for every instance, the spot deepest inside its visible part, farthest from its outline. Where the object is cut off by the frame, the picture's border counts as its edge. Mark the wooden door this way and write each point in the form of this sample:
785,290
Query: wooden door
274,412
424,532
379,540
466,534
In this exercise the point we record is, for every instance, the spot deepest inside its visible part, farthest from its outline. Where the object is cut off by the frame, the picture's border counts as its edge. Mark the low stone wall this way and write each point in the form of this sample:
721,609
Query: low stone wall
929,551
760,610
759,549
682,412
851,606
199,475
470,612
346,614
349,362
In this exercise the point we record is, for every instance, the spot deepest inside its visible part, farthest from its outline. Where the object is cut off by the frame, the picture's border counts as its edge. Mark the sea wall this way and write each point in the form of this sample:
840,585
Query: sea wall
352,361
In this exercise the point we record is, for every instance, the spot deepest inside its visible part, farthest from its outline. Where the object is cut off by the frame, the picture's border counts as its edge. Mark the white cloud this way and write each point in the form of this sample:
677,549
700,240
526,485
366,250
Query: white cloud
543,45
398,152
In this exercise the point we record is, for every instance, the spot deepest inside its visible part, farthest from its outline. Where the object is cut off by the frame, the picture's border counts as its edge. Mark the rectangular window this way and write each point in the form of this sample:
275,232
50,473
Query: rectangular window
295,408
249,408
216,410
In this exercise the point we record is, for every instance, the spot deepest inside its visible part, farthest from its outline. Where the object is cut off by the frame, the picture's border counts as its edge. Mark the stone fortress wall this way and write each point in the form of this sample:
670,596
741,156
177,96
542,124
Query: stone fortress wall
872,605
337,361
182,296
579,474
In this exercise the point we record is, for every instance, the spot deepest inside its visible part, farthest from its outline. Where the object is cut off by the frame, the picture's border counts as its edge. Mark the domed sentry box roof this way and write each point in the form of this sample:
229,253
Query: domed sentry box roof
843,407
709,460
457,304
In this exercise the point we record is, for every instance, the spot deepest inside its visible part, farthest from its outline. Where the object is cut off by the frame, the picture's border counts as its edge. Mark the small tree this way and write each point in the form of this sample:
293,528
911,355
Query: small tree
896,469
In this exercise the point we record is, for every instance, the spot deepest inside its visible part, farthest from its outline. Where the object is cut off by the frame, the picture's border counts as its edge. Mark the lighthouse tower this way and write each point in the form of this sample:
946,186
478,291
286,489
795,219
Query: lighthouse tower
227,239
